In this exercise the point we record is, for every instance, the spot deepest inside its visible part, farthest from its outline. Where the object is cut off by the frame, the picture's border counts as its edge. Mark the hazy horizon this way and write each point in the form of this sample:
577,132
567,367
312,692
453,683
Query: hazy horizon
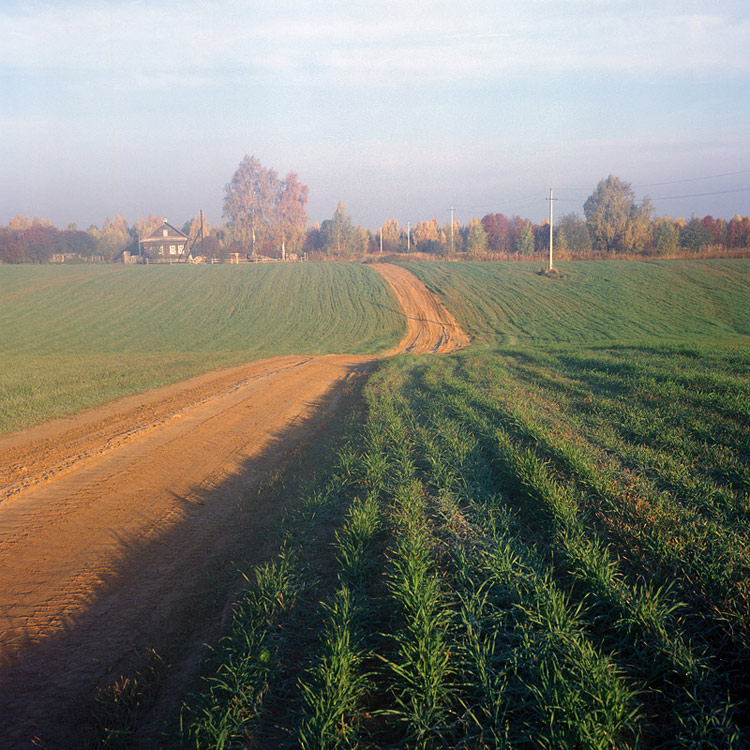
397,109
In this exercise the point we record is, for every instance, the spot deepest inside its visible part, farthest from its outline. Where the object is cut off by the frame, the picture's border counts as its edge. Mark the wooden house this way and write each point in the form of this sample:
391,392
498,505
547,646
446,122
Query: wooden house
165,242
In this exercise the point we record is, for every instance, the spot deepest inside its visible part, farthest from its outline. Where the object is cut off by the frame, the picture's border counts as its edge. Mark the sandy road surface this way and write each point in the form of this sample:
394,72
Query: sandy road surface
106,518
431,327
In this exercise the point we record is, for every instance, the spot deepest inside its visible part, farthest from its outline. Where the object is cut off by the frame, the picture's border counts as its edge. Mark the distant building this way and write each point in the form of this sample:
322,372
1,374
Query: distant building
165,241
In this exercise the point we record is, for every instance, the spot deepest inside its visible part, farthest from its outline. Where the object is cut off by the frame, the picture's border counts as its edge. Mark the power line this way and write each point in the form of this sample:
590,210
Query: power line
522,201
670,182
517,207
699,195
694,179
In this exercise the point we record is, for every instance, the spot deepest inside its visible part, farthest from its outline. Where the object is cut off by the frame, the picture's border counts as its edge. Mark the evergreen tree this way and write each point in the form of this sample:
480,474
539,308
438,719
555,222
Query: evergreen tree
476,239
342,238
694,235
526,240
667,237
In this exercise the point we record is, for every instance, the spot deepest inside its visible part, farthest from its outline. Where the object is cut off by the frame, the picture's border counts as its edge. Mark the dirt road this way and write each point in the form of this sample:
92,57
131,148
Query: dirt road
431,327
110,520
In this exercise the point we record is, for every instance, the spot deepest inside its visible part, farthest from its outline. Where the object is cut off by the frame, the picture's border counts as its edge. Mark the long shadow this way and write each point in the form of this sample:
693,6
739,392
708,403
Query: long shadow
48,689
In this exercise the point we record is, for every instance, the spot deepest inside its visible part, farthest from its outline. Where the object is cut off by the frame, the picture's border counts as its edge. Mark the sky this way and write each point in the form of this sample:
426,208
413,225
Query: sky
398,108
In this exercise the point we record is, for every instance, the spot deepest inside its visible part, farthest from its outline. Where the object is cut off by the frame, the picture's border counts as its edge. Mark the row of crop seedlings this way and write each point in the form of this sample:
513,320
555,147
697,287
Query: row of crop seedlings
401,656
699,541
446,628
486,647
692,425
470,601
245,698
338,682
639,623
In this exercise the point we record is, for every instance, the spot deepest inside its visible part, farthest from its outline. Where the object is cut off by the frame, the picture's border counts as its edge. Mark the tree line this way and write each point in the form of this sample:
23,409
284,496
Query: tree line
26,240
265,215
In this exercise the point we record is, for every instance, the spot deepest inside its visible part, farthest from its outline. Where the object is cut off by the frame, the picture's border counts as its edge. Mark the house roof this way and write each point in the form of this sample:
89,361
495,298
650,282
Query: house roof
158,234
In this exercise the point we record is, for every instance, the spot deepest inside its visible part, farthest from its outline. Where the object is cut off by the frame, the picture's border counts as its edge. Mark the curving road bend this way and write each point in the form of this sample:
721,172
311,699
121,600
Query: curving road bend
431,327
106,517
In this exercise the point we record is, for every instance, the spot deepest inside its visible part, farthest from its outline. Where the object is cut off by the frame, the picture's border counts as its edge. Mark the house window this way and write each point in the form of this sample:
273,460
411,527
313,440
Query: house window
164,232
179,247
172,250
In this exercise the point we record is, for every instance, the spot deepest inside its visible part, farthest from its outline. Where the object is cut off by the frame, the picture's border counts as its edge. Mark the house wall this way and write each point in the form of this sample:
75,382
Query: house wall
169,247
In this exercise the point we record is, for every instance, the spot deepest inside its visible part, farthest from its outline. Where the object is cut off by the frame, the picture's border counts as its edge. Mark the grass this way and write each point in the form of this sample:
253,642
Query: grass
598,302
556,551
76,336
541,541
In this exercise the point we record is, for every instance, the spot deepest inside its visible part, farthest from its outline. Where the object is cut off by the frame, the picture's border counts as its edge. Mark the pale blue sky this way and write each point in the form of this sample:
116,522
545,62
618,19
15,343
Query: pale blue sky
399,109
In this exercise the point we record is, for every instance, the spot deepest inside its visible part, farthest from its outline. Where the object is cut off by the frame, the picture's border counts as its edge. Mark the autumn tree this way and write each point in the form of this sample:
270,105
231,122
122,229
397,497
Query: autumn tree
39,241
262,208
499,229
617,223
212,247
426,236
394,238
40,244
738,232
13,248
717,228
249,201
74,242
113,238
144,227
290,217
19,223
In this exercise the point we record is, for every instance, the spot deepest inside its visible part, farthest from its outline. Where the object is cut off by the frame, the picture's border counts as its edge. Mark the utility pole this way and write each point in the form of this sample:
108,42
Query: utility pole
201,232
551,232
451,231
140,222
408,236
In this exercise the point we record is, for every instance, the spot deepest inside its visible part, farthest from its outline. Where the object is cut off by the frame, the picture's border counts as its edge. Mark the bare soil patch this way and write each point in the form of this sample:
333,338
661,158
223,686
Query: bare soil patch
109,521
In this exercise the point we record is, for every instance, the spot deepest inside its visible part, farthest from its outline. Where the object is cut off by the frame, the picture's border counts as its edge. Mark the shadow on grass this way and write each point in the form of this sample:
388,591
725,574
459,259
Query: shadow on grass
168,595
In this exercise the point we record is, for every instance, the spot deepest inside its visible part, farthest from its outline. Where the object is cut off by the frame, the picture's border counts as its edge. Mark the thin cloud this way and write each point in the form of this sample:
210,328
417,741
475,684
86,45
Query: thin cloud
365,46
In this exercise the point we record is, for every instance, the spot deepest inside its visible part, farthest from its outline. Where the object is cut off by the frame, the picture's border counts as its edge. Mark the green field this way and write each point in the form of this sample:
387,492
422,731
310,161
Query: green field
600,301
537,544
533,549
76,336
